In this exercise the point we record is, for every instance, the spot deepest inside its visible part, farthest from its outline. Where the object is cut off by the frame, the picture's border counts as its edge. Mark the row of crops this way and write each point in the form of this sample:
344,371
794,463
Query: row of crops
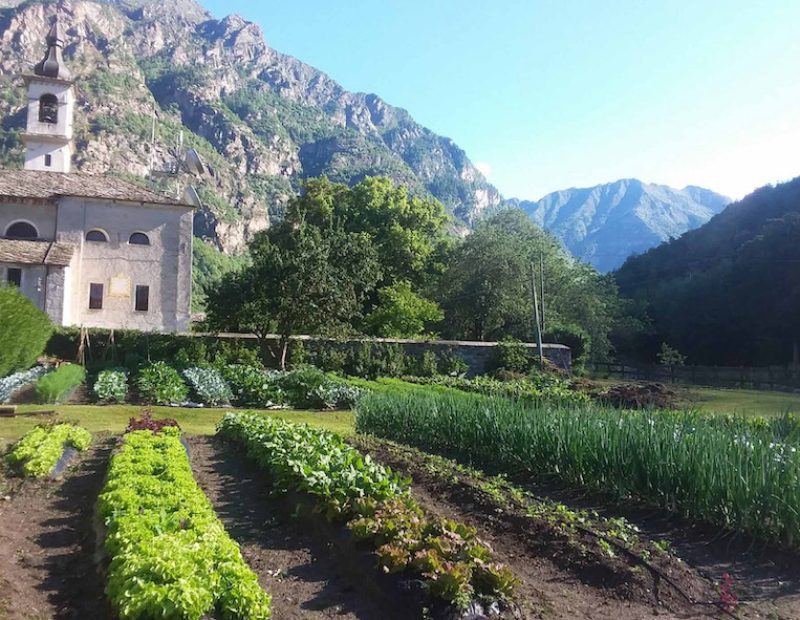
39,452
235,384
734,472
170,557
374,503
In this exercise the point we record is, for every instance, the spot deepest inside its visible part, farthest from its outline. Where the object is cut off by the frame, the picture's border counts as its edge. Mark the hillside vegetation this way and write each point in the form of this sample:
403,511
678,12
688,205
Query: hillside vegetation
727,293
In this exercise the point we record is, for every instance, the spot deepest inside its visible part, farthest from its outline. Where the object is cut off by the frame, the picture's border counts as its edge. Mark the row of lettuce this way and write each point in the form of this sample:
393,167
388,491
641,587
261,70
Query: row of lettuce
39,451
376,507
742,474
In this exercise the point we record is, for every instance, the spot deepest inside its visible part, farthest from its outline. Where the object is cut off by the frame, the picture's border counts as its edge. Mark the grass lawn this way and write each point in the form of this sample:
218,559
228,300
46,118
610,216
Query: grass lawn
114,418
745,402
728,400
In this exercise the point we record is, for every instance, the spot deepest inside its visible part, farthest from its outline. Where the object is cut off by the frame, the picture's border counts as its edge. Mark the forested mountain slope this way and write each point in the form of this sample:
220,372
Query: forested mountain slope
729,292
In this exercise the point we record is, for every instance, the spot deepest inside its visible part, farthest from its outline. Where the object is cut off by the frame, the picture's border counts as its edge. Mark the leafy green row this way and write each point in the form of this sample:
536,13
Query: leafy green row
316,462
40,449
454,565
729,472
555,391
170,556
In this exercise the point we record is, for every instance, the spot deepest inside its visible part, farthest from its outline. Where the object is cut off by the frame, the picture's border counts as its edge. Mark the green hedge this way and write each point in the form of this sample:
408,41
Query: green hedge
26,331
54,387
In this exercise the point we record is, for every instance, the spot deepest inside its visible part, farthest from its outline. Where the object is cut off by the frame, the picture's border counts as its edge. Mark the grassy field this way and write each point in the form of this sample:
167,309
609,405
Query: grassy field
114,418
724,400
745,402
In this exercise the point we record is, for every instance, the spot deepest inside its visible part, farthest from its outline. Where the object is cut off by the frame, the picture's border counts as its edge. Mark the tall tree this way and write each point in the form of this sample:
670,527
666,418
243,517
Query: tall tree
303,279
486,293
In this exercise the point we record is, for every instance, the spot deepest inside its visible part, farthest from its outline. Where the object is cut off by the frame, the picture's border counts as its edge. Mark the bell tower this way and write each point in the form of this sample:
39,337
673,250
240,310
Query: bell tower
51,107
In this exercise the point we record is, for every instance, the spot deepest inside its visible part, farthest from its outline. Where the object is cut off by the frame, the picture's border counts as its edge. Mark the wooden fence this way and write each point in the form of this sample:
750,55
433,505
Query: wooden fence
780,378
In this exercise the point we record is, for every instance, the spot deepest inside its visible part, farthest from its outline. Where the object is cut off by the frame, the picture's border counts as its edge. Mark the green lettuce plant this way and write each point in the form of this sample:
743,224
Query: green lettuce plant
40,449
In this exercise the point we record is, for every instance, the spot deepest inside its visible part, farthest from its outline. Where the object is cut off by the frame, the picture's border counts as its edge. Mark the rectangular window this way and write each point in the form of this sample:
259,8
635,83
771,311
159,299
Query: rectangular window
48,160
95,296
142,298
14,276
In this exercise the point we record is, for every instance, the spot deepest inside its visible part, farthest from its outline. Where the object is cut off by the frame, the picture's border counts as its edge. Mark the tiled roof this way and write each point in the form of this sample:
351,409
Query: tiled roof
35,252
52,185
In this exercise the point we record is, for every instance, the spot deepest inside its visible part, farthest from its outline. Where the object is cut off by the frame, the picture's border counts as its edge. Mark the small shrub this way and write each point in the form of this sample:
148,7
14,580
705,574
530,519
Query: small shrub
300,386
513,355
428,365
454,366
161,384
56,386
330,360
298,354
111,386
209,386
252,386
11,384
26,330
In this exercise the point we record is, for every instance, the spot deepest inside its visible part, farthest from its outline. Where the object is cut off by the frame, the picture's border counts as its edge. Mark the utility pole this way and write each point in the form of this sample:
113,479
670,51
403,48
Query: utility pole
536,317
541,283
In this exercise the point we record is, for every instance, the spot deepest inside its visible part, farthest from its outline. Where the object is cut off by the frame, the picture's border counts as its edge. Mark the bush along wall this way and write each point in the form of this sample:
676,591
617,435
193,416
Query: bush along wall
357,357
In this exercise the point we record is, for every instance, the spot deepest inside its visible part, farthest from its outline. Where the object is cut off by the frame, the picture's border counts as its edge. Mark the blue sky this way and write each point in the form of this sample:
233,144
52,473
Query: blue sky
550,95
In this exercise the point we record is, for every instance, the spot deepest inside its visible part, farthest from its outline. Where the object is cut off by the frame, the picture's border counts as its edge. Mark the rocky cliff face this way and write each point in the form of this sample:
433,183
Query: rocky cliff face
262,120
606,224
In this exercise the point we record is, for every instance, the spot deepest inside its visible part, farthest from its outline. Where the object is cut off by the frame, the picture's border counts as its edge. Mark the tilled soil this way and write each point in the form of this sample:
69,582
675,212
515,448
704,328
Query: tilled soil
300,572
47,544
767,587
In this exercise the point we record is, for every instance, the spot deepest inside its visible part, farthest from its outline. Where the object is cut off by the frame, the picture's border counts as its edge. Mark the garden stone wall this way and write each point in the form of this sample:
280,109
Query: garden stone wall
132,346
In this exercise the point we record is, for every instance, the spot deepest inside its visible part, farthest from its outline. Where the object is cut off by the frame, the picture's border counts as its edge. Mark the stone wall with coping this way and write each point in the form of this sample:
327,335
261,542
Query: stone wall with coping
479,356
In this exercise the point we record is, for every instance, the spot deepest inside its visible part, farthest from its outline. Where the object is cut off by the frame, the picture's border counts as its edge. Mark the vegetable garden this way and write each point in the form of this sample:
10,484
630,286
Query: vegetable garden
457,498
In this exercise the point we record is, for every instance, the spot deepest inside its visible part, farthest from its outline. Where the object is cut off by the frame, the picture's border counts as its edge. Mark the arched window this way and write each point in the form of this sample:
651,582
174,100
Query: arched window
48,109
22,230
97,236
138,238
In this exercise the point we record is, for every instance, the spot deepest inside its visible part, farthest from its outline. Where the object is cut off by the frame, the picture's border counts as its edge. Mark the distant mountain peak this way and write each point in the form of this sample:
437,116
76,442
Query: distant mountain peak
605,224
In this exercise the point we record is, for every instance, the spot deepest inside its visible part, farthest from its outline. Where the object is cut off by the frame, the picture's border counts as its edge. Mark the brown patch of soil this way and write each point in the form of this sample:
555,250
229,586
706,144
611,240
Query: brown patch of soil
767,580
300,572
553,584
47,544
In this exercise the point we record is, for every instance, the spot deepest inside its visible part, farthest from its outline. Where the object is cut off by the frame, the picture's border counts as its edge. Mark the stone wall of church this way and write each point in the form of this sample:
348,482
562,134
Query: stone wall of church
164,266
42,216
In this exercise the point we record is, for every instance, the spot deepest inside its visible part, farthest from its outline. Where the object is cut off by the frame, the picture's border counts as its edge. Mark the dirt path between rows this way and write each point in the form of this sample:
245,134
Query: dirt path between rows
47,545
300,573
766,587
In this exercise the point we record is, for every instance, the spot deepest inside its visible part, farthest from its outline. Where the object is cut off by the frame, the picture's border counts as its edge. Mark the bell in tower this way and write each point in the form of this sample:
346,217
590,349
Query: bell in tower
51,106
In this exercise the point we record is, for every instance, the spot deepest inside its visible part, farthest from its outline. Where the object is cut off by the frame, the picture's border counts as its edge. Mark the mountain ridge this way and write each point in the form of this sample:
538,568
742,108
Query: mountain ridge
263,120
605,224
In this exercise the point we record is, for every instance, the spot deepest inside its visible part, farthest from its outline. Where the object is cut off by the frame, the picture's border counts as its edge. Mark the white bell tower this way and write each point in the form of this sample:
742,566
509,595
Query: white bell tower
51,107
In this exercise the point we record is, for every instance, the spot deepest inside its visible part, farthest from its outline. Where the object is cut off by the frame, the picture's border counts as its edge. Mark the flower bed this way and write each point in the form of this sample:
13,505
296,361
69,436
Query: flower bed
56,386
447,557
40,449
170,556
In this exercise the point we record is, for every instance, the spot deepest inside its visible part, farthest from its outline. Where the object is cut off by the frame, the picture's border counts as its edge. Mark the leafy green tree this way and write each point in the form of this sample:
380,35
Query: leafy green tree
409,233
302,279
26,330
210,266
401,313
486,291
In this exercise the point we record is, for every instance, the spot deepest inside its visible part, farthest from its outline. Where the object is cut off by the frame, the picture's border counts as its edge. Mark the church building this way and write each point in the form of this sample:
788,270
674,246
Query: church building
89,250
